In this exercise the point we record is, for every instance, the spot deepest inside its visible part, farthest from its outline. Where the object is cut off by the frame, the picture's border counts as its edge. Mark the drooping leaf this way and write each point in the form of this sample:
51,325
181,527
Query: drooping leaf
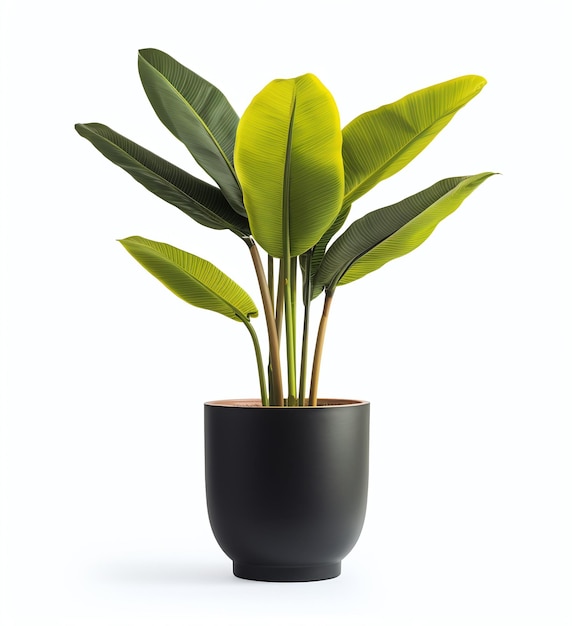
193,279
196,198
379,143
391,232
198,114
289,161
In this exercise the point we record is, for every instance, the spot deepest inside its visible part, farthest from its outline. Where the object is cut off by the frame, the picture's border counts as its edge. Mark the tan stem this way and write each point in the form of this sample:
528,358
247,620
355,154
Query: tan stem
313,400
274,345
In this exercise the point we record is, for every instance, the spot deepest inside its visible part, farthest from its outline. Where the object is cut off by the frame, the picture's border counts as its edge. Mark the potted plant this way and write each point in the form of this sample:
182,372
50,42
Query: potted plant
286,474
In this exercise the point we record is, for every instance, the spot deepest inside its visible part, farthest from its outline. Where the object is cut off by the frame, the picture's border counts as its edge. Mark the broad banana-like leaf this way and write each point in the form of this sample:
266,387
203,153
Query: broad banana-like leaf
379,143
193,279
196,198
198,114
288,158
391,232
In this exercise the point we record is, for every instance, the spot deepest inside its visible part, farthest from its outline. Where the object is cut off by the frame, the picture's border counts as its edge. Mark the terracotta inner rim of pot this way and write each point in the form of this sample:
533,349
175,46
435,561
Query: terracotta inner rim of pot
254,403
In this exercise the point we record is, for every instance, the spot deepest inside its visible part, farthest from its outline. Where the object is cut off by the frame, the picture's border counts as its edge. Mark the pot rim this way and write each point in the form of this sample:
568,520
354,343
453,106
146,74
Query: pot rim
255,403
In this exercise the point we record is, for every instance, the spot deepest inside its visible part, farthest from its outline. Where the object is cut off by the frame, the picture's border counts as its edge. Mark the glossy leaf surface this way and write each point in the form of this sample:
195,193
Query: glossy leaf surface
194,280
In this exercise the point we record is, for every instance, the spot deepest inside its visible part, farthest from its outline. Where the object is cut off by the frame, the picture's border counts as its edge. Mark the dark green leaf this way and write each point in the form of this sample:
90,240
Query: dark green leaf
196,198
391,232
198,114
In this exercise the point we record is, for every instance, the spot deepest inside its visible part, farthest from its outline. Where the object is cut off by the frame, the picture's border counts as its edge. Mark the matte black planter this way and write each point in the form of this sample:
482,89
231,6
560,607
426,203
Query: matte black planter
287,487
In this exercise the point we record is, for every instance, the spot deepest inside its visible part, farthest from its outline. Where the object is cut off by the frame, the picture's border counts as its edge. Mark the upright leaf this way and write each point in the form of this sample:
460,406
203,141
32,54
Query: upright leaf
391,232
193,279
196,198
198,114
289,161
379,143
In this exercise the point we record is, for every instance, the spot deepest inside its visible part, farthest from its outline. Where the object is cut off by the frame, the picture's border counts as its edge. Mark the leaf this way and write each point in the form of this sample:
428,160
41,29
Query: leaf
391,232
320,248
289,161
198,114
197,199
193,279
379,143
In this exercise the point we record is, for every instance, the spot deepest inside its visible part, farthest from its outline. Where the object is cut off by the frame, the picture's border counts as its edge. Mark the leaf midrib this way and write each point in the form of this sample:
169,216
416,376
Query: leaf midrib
237,312
200,119
385,166
286,192
357,258
171,185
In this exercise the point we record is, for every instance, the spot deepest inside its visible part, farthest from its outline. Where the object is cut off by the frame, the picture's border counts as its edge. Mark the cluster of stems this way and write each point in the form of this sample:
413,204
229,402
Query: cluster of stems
279,303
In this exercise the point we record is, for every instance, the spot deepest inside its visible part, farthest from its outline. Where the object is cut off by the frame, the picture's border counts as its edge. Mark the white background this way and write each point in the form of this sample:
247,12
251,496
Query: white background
463,347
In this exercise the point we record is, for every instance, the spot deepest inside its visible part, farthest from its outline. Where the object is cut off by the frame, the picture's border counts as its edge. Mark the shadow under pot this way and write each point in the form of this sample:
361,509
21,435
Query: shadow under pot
286,486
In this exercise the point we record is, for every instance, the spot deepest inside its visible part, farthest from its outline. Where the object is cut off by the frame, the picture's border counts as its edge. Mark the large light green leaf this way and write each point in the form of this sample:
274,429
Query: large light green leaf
193,279
289,161
198,114
379,143
199,200
391,232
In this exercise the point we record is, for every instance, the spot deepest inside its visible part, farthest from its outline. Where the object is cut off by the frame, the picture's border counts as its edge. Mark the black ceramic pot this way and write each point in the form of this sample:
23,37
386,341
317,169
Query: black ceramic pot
287,487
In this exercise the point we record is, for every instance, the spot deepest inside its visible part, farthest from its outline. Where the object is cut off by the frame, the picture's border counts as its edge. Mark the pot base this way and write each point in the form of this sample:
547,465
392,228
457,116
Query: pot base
287,573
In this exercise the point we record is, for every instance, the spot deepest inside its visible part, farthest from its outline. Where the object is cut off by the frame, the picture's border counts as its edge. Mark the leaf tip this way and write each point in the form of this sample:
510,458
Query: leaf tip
479,82
143,52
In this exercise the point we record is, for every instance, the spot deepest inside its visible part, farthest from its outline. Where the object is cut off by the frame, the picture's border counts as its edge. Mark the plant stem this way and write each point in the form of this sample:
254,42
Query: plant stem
273,343
280,301
290,333
259,363
307,261
313,401
304,357
294,293
270,281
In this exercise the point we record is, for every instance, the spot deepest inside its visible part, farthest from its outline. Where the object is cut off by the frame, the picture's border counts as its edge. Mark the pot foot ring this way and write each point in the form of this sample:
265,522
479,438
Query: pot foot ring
287,573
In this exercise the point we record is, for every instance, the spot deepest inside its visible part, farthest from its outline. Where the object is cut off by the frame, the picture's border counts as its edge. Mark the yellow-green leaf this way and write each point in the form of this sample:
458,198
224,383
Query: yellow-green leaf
193,279
379,143
288,158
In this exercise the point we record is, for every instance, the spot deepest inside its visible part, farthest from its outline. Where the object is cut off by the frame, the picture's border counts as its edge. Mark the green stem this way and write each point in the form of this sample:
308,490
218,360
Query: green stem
259,363
304,358
270,281
294,292
290,333
313,401
280,301
307,260
273,343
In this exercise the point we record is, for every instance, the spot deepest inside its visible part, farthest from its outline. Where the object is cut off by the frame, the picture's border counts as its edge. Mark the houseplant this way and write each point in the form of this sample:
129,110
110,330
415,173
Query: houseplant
286,176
